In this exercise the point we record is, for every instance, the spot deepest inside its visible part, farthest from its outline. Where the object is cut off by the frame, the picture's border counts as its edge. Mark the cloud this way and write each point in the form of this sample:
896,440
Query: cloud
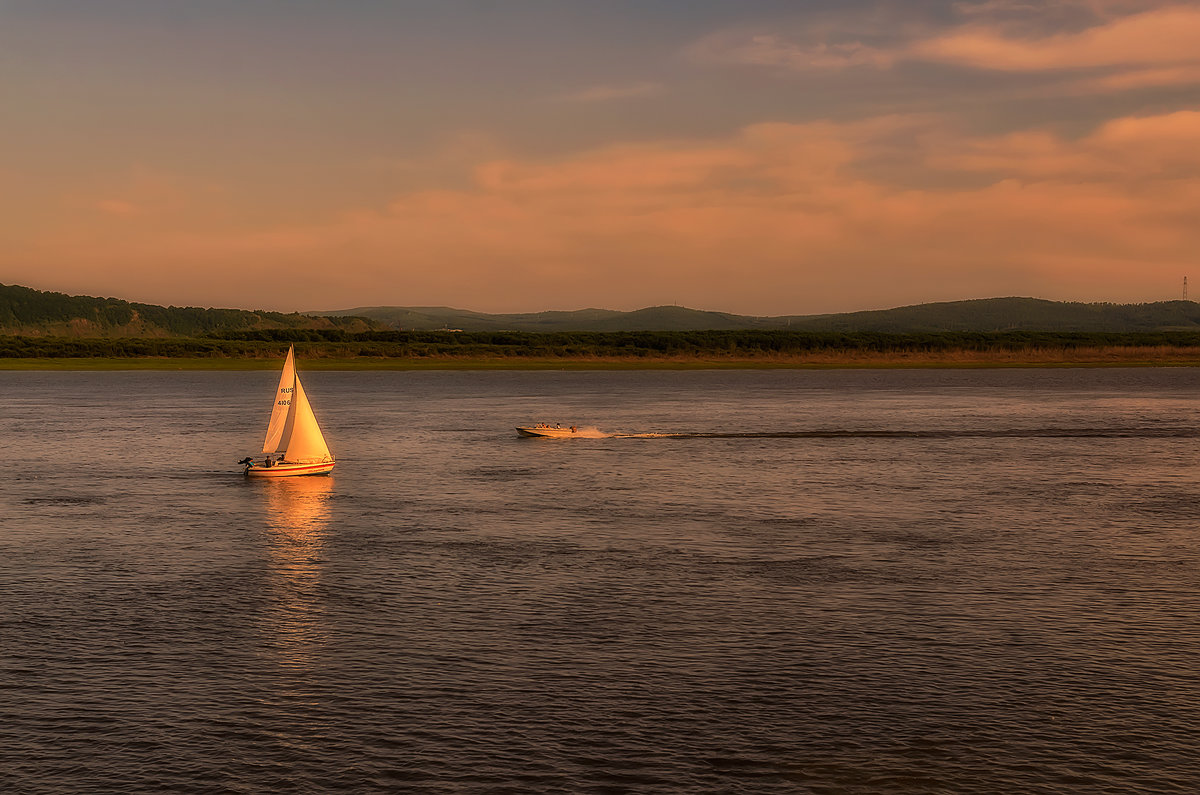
773,51
138,193
994,7
117,207
1160,37
1133,79
1129,151
1102,45
1051,12
773,219
609,93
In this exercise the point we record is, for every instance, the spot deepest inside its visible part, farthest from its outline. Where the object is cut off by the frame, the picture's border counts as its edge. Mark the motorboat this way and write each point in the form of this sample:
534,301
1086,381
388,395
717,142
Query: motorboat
552,431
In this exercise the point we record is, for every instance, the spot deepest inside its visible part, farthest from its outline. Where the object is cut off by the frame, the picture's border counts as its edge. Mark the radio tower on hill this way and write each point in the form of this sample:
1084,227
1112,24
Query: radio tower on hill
1185,288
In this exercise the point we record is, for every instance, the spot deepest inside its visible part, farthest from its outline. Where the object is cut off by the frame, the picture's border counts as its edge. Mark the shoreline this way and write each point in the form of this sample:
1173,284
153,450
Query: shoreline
959,359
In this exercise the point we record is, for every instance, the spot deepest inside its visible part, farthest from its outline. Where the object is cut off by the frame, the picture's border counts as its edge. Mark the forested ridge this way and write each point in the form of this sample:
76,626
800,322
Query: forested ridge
37,324
27,311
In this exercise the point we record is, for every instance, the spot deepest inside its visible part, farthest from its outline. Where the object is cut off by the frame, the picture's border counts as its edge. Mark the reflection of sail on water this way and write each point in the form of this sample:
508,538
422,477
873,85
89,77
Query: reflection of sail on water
298,517
299,510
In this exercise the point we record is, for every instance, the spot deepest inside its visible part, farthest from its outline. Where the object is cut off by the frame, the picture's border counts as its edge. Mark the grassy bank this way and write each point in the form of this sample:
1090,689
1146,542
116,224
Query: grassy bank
396,350
1101,356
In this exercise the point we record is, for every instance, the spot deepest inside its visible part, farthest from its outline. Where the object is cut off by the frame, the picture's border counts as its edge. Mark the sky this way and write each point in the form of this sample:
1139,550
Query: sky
762,157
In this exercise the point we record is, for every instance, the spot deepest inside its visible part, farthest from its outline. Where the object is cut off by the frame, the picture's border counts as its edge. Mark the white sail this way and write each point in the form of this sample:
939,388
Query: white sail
303,439
280,412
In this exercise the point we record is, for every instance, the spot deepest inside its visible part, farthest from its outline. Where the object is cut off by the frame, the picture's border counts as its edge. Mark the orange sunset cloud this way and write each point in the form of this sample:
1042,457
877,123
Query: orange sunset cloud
847,155
1157,37
1129,45
781,216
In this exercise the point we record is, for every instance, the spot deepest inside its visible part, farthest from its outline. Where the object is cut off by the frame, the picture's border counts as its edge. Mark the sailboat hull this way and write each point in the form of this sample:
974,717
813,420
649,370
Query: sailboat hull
286,470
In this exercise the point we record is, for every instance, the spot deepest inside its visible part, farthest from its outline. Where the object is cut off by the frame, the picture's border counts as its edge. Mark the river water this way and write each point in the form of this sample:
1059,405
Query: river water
762,581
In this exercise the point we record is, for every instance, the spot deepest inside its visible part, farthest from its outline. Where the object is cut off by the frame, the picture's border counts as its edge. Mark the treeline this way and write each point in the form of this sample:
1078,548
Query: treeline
338,343
22,307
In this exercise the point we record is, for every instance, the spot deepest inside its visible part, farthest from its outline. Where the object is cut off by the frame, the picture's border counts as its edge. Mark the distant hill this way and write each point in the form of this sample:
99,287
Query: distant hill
658,318
24,311
985,314
1013,314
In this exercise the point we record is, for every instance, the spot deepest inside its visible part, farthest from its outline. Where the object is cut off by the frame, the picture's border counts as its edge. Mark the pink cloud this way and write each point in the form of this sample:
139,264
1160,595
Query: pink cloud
1132,150
1127,45
776,218
117,207
774,51
608,93
1159,37
1132,79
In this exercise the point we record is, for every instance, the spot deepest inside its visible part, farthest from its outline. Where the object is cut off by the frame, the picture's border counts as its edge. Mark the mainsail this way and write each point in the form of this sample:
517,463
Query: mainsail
293,428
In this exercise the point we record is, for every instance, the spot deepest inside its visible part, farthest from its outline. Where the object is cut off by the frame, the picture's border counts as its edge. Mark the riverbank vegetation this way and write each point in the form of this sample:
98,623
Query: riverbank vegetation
678,348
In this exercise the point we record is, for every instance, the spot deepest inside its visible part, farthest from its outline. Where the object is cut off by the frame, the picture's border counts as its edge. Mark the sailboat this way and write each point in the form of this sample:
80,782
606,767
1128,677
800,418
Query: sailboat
294,444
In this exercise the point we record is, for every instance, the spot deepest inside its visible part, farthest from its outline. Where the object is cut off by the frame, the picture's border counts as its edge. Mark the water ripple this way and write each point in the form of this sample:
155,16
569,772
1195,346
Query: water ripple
966,582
